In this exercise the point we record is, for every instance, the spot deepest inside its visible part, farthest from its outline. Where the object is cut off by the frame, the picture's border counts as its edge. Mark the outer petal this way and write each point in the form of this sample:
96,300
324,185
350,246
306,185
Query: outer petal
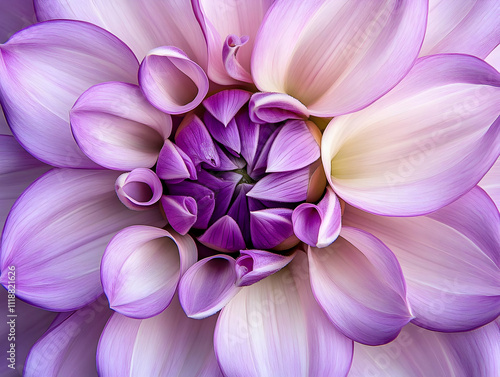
69,348
423,145
418,352
334,56
450,260
169,344
491,183
462,26
141,27
276,328
43,70
56,234
358,282
118,128
141,268
14,16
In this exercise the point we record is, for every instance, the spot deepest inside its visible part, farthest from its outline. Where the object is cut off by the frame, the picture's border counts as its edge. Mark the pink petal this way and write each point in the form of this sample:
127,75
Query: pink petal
171,81
318,225
450,260
141,27
14,16
181,212
232,46
117,128
275,108
208,286
419,352
56,234
462,26
358,282
69,348
491,183
225,104
139,189
381,162
46,67
254,265
141,268
224,235
169,344
276,328
334,56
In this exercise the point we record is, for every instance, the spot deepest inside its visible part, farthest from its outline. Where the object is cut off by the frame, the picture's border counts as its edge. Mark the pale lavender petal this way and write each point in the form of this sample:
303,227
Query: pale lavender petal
234,69
276,328
174,165
116,127
462,26
141,27
225,104
419,352
358,282
491,183
208,286
180,211
171,81
450,260
254,265
45,68
318,225
224,235
275,107
381,162
334,56
139,189
494,58
69,348
193,138
295,147
14,16
56,234
169,344
141,268
227,135
271,227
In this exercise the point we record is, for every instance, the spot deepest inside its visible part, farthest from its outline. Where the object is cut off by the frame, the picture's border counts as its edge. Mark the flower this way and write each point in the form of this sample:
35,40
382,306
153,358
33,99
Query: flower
253,188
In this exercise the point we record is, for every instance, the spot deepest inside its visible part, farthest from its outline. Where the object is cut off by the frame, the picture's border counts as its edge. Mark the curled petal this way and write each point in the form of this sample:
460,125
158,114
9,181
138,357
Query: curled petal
233,67
358,282
450,260
208,286
44,69
334,56
254,265
225,104
271,227
117,128
318,225
56,234
141,268
139,189
224,235
275,107
276,328
174,165
171,81
379,161
180,211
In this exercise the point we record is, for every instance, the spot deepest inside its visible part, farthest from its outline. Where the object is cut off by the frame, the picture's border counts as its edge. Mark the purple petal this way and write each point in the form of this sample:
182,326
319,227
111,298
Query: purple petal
224,235
232,45
69,348
271,227
276,328
491,183
139,189
169,344
208,286
358,282
294,147
171,81
226,161
227,135
4,127
193,138
275,108
450,260
249,133
180,211
46,67
318,225
378,161
494,58
141,268
117,128
257,168
239,210
337,57
56,234
174,165
224,105
14,16
462,26
254,265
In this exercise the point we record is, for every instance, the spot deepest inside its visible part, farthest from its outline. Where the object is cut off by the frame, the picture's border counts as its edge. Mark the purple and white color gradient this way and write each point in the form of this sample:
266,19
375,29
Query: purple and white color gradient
251,188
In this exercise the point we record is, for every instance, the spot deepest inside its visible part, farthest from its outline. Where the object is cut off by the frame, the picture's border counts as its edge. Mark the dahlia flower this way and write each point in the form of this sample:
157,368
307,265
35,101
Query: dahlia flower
250,188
